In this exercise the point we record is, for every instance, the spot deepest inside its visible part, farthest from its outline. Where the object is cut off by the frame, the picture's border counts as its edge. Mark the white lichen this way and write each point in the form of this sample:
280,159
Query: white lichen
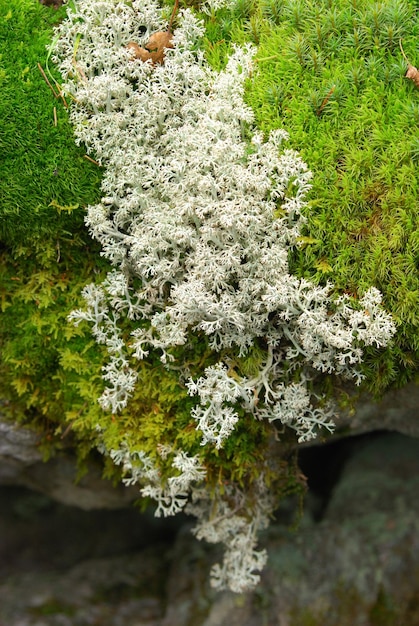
201,211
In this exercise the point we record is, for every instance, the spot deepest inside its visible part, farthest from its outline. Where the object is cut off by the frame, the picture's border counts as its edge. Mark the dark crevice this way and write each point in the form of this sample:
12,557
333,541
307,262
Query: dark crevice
323,465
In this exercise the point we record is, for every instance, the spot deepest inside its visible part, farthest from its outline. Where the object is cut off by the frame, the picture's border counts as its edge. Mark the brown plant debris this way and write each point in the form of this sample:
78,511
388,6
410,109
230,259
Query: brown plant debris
155,48
325,101
412,72
52,3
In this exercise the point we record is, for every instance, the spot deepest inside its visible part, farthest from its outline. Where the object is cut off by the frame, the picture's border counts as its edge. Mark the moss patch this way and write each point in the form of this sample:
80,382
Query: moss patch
332,74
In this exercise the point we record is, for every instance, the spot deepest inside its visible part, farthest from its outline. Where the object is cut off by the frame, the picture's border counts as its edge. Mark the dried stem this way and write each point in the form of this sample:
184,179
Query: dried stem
325,101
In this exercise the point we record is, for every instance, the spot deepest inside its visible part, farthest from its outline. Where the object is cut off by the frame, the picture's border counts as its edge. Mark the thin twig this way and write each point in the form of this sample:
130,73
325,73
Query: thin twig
403,53
325,101
172,17
70,426
57,95
79,71
86,156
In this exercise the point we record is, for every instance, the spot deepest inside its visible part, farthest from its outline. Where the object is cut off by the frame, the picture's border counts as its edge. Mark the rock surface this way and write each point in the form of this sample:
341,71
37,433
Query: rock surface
356,563
398,410
19,445
21,464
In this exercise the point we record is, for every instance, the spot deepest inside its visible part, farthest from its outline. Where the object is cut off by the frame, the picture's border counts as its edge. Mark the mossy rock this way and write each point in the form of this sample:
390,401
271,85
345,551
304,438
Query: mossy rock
332,75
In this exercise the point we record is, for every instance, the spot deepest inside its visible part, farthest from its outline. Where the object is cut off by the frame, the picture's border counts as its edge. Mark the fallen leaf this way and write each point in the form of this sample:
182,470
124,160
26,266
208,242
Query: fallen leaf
154,49
413,74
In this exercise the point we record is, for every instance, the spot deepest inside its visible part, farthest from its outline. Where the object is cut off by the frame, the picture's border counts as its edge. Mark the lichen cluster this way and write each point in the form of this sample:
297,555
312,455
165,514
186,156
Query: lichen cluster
198,216
226,294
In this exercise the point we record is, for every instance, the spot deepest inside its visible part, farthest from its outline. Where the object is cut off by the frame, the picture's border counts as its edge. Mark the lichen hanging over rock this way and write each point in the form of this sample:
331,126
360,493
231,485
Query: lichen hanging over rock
198,215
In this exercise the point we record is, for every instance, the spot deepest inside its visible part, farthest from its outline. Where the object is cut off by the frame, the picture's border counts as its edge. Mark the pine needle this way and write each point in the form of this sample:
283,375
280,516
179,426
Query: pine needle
86,156
45,77
325,101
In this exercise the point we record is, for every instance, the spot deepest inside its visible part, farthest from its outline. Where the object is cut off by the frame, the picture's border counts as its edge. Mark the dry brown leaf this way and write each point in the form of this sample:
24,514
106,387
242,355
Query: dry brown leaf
158,43
325,101
413,74
154,49
138,52
52,3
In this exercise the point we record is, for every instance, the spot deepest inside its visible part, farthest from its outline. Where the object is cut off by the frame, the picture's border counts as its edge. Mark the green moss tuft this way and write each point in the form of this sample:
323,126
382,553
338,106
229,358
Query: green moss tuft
332,75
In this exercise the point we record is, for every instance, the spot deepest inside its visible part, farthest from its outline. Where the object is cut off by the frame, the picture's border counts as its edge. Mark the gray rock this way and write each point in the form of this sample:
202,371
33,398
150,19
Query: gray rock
58,479
397,410
21,464
362,558
18,444
112,591
358,566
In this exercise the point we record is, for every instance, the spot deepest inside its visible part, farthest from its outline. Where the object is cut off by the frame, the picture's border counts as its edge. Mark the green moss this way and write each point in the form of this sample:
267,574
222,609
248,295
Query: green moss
46,255
332,75
40,164
50,371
